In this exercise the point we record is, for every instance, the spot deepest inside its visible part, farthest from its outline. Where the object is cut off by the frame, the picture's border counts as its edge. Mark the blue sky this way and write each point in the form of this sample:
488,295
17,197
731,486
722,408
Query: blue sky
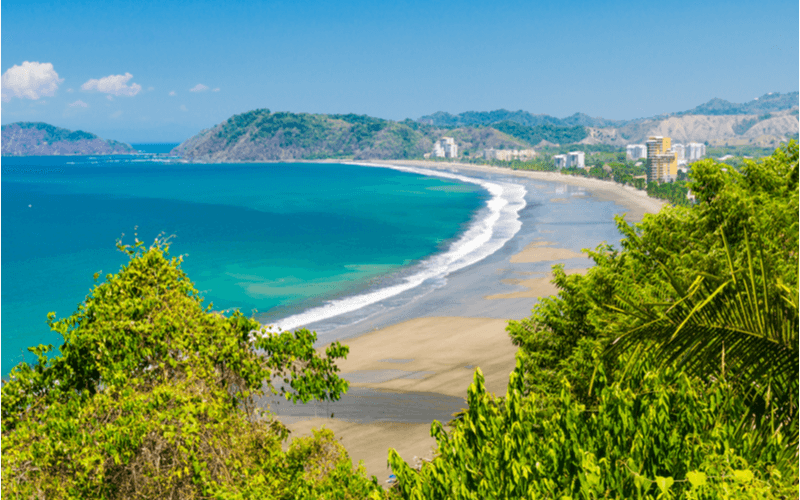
160,71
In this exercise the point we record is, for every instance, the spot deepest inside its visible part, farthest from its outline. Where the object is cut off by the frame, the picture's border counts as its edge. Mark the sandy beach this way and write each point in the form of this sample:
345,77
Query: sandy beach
415,364
636,201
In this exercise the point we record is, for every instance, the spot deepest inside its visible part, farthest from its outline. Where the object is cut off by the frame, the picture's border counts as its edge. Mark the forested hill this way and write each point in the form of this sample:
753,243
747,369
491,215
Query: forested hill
261,135
42,139
485,118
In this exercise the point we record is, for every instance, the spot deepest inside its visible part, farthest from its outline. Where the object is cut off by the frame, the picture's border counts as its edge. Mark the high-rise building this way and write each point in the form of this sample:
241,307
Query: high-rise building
695,151
560,161
636,151
662,164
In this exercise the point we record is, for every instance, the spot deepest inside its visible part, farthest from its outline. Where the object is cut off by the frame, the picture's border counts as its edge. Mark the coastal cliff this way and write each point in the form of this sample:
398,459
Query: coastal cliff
41,139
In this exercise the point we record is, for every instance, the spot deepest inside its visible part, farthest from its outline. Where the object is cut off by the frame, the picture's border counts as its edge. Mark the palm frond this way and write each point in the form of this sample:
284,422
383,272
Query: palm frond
752,329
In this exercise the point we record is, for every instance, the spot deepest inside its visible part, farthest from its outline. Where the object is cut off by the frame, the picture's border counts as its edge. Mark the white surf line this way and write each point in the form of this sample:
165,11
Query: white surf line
484,237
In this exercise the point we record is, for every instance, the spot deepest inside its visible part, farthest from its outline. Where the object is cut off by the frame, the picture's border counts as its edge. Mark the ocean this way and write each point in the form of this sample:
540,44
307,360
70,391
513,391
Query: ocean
291,243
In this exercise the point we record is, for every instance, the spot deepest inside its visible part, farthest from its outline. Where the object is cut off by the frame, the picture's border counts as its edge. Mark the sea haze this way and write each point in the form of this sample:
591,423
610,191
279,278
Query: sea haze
277,238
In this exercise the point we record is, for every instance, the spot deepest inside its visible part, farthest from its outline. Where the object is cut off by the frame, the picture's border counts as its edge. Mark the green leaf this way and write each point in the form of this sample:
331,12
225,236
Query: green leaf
696,478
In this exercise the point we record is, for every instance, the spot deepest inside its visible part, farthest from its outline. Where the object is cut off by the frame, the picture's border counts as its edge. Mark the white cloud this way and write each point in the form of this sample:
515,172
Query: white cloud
183,107
113,84
32,80
79,104
110,97
150,89
70,91
216,89
198,88
172,92
116,114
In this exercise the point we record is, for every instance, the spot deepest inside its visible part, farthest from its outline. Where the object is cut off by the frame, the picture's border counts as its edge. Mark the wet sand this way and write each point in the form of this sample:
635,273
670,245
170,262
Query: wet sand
416,363
430,357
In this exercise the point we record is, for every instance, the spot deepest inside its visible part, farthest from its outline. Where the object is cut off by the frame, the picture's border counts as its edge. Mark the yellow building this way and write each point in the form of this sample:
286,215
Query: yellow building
662,162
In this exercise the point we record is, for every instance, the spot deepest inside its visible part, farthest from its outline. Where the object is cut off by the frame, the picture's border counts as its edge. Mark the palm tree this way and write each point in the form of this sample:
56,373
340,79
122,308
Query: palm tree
742,328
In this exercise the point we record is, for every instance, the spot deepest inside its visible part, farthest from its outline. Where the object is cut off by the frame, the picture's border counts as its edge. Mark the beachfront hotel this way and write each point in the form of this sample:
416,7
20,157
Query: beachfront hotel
576,159
445,148
662,163
572,159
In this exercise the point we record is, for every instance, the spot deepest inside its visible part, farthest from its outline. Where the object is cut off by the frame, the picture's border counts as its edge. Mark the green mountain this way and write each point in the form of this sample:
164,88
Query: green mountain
261,135
486,118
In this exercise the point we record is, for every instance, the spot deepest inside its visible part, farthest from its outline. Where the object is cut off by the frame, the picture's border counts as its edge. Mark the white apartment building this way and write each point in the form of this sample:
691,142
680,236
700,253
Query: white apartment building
695,151
636,151
560,161
508,154
445,148
576,159
680,151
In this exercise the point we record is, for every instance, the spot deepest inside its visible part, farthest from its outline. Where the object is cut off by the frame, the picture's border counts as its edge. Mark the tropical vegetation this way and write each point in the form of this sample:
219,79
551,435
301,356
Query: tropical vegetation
669,370
152,395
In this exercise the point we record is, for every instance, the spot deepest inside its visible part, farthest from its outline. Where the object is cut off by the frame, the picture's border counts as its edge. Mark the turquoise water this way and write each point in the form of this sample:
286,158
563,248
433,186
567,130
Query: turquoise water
276,238
161,148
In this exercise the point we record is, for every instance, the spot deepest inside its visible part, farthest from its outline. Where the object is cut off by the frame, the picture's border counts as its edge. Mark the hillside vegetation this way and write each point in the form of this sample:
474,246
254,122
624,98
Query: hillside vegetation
36,138
261,135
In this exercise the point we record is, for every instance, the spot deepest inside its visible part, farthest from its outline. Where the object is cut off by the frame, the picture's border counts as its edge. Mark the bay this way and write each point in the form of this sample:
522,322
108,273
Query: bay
278,238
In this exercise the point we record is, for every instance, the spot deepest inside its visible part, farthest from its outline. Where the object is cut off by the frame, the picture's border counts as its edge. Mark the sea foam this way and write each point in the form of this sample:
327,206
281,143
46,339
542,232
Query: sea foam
493,226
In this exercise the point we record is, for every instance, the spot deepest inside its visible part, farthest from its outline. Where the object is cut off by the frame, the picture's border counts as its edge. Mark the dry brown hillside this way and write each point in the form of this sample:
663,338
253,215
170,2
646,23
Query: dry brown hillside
717,130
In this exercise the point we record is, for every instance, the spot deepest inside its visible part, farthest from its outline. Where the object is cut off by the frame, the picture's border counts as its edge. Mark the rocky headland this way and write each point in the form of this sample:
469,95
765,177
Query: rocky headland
42,139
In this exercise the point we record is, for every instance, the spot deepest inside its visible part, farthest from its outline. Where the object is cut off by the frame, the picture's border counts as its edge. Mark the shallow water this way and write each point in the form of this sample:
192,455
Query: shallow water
276,238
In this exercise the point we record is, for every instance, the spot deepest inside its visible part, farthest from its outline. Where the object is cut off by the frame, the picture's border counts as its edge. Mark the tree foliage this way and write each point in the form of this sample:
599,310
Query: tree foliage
661,436
151,396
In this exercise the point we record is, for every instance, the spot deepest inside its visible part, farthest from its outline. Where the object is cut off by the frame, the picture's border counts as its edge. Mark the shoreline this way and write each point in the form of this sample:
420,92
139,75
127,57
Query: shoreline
430,348
637,201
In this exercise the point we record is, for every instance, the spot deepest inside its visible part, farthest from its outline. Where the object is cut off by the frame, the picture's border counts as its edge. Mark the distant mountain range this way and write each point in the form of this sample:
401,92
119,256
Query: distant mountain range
767,103
483,118
261,135
771,102
41,139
